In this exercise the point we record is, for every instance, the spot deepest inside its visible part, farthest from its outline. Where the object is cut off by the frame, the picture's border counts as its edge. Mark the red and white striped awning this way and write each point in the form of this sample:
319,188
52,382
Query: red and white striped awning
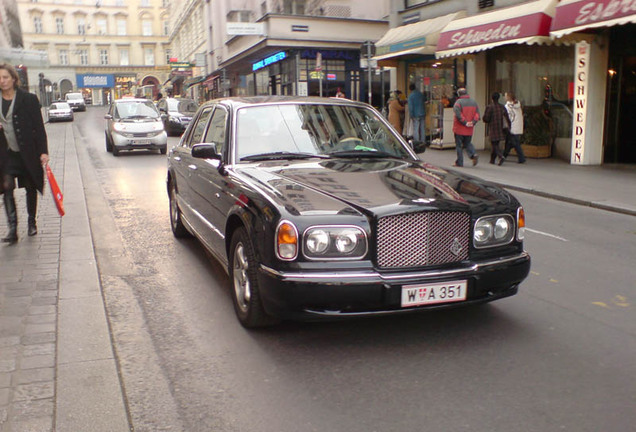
576,15
526,23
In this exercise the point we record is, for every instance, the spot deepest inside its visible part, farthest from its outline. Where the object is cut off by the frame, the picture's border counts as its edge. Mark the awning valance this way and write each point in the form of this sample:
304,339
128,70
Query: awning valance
526,23
576,15
410,39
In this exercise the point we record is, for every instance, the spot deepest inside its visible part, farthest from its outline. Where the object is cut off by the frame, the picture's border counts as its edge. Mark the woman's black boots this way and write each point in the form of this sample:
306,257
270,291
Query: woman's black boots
32,208
12,218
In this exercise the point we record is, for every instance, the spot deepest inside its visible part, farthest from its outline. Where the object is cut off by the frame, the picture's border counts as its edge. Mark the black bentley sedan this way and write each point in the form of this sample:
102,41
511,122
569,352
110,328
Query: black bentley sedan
317,208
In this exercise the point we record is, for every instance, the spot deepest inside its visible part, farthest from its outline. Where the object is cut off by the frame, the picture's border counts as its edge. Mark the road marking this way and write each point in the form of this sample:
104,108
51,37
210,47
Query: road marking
617,300
547,235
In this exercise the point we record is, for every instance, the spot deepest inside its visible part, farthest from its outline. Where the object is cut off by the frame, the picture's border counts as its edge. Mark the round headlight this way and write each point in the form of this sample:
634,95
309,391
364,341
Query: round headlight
317,241
346,241
502,227
483,231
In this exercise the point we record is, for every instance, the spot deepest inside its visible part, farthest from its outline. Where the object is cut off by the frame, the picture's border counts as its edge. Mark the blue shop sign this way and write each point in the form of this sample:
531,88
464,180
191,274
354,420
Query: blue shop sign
269,60
95,81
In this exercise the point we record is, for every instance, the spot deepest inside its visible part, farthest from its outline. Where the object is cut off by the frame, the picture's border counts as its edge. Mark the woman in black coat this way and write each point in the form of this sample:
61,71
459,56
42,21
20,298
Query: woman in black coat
23,149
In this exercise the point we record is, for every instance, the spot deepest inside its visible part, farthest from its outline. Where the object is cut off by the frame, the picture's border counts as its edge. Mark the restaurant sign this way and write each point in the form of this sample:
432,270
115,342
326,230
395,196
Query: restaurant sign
585,13
581,90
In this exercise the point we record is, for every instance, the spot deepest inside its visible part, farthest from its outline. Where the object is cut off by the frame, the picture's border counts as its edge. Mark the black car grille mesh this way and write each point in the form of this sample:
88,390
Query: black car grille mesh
422,239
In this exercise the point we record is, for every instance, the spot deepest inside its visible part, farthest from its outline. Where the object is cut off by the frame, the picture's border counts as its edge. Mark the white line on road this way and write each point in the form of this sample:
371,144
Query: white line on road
547,234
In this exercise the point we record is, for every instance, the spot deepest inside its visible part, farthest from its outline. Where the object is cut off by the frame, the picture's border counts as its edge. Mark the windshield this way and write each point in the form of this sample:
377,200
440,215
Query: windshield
184,106
132,110
60,105
74,96
314,130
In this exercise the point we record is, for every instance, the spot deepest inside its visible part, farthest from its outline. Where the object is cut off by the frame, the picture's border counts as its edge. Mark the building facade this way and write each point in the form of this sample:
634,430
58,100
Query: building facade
283,47
569,73
105,49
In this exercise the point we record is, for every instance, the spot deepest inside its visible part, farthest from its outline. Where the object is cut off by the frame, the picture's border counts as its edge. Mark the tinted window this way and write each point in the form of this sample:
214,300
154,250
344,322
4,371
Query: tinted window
216,130
199,128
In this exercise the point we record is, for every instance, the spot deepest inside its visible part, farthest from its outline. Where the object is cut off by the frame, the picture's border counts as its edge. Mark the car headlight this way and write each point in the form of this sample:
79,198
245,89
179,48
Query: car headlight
334,242
493,231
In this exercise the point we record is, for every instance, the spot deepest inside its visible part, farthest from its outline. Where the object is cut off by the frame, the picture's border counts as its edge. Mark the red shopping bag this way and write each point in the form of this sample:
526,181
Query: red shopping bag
55,190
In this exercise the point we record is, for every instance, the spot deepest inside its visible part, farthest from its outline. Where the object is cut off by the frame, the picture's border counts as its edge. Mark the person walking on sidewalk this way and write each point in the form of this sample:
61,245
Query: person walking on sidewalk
23,149
513,106
396,111
496,116
417,114
466,117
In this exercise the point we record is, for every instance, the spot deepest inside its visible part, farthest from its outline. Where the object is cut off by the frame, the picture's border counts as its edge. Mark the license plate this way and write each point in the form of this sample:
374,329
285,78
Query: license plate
141,142
447,292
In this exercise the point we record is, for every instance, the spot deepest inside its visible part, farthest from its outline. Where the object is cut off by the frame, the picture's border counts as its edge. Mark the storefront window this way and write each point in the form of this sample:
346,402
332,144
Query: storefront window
527,71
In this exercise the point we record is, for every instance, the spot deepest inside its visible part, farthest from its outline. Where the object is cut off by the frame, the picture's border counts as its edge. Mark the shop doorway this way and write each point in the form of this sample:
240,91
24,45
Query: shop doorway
620,140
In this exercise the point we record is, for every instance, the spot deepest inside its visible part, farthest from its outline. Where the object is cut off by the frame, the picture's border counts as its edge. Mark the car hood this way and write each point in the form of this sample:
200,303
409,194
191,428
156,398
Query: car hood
378,187
140,125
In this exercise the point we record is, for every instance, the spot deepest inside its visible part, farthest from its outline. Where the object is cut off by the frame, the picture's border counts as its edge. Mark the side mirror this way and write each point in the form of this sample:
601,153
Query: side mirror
205,151
108,117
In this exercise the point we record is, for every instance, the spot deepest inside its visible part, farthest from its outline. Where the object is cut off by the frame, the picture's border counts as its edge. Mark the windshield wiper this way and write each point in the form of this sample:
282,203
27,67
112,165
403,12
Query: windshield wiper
363,154
282,155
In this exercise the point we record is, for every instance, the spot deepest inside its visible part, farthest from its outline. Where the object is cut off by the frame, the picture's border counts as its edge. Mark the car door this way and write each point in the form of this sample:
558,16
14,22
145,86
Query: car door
184,166
208,183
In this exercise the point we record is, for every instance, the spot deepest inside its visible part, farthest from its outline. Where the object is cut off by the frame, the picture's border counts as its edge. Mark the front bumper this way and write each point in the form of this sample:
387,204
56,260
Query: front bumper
326,294
142,143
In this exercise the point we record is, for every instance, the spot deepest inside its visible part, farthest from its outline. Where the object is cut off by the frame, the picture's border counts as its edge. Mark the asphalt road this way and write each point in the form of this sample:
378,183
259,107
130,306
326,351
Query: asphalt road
559,356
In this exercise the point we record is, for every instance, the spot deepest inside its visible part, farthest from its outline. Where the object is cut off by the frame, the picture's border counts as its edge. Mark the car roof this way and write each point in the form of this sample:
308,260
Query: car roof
242,101
122,100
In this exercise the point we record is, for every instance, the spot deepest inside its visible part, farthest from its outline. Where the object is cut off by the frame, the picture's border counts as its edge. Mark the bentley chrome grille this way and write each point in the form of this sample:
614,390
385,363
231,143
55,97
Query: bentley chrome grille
422,239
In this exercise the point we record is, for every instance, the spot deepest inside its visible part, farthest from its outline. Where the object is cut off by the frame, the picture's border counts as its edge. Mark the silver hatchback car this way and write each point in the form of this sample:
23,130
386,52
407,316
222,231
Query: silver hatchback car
133,124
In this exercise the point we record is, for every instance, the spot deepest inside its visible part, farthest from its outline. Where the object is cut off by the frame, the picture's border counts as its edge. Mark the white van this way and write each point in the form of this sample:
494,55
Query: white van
76,101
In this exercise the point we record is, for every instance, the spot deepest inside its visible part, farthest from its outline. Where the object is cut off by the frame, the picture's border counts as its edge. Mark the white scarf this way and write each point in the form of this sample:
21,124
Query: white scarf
7,126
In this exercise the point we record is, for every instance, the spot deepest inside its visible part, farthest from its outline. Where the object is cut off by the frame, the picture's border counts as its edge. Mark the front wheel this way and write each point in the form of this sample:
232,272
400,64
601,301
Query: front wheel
246,294
176,224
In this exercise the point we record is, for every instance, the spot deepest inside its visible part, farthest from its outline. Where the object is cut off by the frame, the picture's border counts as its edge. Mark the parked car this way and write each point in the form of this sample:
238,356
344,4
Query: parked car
59,111
176,114
133,124
76,101
318,208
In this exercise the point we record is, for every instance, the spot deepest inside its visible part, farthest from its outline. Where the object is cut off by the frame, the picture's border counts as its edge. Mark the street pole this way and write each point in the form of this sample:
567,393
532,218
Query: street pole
368,43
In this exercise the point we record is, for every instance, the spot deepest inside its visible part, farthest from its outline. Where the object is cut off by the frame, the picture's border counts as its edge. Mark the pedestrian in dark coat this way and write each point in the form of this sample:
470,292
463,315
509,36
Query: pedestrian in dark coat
497,120
23,149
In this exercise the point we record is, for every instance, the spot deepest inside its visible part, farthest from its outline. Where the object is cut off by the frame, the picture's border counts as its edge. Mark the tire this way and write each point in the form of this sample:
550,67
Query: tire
163,150
109,146
178,229
115,151
246,294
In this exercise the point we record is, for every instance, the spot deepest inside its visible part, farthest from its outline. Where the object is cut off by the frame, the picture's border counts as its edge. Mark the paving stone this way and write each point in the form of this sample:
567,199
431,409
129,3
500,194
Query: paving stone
41,319
39,328
5,379
9,341
7,365
25,410
42,424
44,301
33,391
41,310
5,394
39,361
38,338
30,376
38,349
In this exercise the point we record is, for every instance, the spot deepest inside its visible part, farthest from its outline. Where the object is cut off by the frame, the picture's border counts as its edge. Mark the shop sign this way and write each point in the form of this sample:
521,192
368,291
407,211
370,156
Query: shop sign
176,65
581,83
126,80
244,29
329,55
183,73
269,60
316,75
537,24
401,46
331,77
95,81
582,13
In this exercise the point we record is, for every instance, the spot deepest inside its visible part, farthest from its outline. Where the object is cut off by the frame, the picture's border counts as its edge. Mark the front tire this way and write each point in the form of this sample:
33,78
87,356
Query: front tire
176,224
246,294
109,146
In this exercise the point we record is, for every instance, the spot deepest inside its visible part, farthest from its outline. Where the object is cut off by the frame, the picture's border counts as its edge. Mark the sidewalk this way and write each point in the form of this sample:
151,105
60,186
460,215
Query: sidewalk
58,371
607,187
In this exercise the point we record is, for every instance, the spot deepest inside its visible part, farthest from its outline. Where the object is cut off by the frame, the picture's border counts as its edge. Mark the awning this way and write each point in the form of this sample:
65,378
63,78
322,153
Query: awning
527,23
192,81
411,39
575,15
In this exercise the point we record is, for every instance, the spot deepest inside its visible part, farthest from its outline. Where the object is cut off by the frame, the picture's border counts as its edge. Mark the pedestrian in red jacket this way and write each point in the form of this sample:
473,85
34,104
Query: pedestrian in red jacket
466,117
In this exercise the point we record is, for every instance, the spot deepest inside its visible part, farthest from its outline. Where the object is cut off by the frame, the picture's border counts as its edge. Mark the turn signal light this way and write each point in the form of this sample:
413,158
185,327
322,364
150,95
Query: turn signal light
521,224
286,241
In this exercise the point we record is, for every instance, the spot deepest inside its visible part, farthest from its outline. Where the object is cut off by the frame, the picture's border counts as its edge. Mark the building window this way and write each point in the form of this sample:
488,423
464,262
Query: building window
83,57
103,56
145,3
102,26
294,7
486,3
121,27
37,24
59,25
168,56
149,56
239,16
123,57
146,28
63,54
165,3
166,27
81,26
